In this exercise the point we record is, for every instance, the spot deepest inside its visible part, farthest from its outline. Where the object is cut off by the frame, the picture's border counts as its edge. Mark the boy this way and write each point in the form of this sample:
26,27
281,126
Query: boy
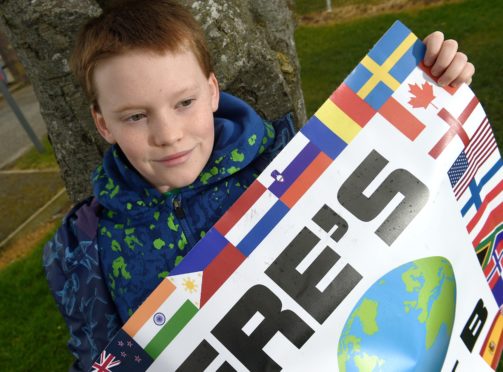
181,154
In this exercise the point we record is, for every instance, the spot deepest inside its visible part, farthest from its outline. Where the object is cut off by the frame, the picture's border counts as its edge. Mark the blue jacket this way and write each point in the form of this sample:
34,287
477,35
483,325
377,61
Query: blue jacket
114,248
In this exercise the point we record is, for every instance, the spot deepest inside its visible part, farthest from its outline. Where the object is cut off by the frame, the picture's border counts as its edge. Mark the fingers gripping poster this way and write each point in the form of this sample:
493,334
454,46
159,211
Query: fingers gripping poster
373,242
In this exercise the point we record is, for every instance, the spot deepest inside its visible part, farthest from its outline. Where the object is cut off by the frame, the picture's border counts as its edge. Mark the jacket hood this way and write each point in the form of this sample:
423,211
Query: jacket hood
240,136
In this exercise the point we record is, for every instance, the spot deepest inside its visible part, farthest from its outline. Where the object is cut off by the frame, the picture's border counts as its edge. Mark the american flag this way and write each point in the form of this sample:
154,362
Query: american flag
481,146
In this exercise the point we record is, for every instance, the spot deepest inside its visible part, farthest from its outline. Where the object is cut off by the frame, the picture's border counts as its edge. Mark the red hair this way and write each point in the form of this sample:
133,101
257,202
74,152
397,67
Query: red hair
158,26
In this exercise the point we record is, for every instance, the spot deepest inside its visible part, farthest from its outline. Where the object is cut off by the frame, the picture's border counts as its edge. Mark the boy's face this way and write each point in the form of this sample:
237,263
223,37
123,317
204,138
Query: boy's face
159,110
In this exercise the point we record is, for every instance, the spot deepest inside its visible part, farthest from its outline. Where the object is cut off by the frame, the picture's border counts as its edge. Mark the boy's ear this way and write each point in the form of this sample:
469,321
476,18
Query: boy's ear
101,125
215,92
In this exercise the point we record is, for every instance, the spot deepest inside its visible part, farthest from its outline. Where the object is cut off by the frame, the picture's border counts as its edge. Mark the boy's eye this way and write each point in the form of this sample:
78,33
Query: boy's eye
186,102
135,117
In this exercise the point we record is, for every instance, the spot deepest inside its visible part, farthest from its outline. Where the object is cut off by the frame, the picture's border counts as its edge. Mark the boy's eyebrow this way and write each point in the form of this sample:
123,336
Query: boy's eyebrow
185,90
181,92
124,108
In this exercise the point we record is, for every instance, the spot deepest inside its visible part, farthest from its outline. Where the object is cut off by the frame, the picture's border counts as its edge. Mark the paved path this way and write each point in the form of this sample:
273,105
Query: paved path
28,198
13,139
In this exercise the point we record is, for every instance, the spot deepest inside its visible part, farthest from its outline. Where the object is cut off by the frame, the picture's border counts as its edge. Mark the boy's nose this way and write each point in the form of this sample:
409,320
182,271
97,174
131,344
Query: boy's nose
165,131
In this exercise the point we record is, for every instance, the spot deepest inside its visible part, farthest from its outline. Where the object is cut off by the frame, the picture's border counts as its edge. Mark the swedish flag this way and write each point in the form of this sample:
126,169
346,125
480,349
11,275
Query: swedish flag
386,66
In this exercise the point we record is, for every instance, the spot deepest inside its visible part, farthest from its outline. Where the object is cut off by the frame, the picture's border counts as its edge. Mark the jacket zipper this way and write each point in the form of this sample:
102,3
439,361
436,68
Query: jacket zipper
184,223
177,207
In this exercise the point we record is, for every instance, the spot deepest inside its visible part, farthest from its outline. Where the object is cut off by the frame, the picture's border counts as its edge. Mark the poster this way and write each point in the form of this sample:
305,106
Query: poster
372,242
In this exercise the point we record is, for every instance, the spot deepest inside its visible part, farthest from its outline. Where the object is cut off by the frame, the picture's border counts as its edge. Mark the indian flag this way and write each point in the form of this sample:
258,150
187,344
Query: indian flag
165,313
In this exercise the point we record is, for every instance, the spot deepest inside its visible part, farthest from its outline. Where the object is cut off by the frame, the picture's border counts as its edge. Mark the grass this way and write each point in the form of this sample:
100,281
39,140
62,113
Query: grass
310,6
33,159
32,333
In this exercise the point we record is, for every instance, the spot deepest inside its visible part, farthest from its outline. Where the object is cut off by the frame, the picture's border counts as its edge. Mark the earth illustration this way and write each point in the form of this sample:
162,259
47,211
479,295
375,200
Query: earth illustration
404,320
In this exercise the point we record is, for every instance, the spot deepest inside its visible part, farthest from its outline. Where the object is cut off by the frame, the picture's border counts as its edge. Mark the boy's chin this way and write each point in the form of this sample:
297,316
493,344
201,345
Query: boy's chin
175,185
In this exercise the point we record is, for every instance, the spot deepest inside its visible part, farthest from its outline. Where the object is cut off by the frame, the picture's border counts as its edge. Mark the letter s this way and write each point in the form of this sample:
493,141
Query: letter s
351,196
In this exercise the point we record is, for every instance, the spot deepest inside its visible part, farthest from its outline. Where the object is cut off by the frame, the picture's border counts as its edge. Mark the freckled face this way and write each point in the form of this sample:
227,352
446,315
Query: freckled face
159,110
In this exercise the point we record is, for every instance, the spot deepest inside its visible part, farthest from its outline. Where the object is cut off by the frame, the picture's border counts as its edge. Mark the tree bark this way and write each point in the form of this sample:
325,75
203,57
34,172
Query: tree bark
251,42
42,33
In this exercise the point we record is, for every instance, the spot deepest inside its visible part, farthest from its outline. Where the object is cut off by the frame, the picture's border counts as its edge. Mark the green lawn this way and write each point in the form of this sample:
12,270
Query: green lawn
32,333
310,6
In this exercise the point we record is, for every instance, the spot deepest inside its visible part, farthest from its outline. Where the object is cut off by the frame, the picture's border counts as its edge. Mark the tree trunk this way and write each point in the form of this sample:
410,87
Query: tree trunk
251,42
42,33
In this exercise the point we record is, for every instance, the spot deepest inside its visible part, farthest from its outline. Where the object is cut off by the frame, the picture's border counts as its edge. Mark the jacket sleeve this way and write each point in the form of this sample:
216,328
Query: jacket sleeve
72,267
284,131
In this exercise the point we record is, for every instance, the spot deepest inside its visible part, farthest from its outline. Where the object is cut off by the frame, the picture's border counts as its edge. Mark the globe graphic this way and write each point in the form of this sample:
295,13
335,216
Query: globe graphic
403,322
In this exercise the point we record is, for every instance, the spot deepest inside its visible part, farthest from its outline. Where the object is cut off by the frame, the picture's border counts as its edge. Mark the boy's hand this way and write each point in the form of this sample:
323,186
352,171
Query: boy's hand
447,64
